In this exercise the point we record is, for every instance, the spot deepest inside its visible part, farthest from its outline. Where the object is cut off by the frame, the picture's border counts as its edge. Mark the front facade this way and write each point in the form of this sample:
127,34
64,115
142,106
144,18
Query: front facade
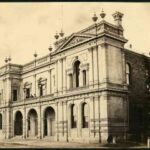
81,91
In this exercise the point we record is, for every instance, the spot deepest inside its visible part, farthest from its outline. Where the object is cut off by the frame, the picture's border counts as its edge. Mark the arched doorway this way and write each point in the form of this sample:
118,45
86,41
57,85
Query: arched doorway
18,124
49,122
32,123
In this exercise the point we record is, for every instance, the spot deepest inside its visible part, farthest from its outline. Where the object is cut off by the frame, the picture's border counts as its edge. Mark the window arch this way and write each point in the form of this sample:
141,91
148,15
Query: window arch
42,86
128,73
1,122
76,72
73,116
84,115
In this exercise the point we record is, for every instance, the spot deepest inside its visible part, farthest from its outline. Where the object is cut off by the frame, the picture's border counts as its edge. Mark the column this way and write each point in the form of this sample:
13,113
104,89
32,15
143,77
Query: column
35,91
98,67
57,121
92,119
56,78
79,125
50,82
60,72
100,64
104,117
97,119
42,123
39,121
8,123
64,75
60,120
26,119
8,91
91,78
87,77
65,121
95,66
24,123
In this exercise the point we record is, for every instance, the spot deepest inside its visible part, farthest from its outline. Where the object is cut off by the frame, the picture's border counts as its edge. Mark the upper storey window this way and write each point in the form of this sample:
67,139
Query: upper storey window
128,73
76,72
84,78
42,87
27,90
15,95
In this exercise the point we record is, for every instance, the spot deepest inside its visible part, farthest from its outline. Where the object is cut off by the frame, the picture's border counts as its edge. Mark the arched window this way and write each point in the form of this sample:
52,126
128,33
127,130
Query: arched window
128,73
76,71
84,78
84,115
1,121
42,87
73,116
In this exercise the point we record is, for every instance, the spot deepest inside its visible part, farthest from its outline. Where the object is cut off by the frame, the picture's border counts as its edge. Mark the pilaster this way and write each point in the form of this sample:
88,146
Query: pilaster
64,75
91,77
95,66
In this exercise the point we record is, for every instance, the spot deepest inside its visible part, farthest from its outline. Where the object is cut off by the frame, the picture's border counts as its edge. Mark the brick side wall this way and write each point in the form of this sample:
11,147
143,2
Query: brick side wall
138,96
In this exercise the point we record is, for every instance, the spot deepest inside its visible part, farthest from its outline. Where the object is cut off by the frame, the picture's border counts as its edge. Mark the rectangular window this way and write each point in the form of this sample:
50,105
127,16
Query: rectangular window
84,77
28,93
15,94
71,81
42,89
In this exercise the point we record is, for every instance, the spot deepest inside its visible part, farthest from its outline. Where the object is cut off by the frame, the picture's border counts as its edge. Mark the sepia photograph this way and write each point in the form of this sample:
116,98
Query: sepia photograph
74,75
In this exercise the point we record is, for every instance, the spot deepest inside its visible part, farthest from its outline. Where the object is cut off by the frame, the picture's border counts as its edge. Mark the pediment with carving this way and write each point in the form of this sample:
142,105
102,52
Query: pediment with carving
74,40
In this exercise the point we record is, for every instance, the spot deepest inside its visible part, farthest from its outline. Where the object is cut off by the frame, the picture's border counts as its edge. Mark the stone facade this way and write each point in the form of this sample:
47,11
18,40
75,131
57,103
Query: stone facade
78,92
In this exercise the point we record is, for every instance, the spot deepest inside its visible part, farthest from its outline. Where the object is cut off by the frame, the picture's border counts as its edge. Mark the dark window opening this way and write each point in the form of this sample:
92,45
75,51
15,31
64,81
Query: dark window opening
84,115
128,73
15,95
84,78
73,117
0,121
71,81
76,73
42,87
29,123
41,90
27,92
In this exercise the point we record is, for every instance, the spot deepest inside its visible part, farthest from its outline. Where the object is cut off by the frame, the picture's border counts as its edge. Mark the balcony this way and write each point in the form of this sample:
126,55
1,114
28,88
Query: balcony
32,100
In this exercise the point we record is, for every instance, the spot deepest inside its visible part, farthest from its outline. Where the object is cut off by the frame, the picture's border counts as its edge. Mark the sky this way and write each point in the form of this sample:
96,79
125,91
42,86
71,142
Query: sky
29,27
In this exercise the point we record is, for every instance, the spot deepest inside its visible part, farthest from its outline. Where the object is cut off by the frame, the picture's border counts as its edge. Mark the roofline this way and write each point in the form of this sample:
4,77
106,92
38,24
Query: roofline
135,53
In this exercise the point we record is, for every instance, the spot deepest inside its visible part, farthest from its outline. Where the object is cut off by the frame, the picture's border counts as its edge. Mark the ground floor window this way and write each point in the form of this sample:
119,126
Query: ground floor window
73,116
1,122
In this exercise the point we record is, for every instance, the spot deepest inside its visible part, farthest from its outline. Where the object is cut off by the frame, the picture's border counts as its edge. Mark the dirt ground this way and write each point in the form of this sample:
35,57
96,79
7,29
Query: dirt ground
38,143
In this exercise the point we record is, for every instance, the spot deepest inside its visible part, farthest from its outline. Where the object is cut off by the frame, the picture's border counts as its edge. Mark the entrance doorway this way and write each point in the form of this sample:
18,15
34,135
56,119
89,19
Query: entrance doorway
49,122
18,124
32,123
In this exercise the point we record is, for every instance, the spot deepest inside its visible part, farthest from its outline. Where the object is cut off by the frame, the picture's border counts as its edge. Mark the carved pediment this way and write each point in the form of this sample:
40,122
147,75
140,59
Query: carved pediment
74,40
